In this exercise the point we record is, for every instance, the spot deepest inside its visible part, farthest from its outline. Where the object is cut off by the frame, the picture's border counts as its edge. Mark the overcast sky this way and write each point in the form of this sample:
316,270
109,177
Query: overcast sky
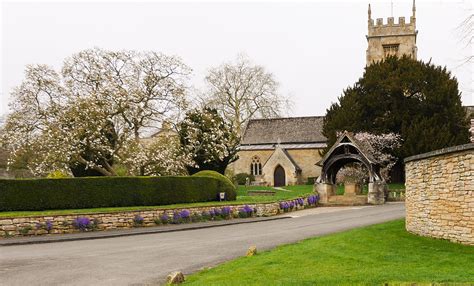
314,49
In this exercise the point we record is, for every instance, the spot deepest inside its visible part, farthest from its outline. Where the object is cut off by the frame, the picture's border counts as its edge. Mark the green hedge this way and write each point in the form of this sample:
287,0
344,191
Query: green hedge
95,192
225,184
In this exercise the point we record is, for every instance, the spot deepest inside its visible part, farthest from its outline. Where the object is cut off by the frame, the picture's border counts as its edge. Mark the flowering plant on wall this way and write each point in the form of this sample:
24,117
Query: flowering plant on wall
82,223
246,211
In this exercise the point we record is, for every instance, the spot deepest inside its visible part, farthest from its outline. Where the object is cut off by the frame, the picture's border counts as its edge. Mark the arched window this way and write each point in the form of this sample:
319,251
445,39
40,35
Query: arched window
256,166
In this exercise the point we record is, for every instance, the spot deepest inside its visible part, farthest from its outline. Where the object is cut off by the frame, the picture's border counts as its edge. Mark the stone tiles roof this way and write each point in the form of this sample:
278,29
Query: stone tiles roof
284,146
284,130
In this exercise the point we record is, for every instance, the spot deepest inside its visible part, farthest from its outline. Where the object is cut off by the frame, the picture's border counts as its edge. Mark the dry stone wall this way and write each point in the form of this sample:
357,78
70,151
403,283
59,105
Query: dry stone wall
440,194
62,224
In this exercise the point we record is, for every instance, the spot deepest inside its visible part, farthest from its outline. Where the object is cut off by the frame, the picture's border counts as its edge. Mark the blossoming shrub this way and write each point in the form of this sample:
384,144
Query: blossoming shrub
95,192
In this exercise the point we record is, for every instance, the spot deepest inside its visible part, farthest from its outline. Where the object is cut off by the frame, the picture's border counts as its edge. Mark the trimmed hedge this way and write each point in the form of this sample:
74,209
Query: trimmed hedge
95,192
225,184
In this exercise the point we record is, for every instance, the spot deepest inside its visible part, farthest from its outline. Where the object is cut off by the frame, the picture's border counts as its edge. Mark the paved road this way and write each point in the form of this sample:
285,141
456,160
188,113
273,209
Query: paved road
147,259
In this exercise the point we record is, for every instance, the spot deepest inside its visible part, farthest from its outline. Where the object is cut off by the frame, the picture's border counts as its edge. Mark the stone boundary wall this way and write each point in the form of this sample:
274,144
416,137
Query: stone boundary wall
62,224
440,194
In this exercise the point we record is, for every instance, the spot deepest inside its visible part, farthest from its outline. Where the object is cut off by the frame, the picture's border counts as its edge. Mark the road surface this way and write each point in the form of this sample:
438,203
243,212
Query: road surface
147,259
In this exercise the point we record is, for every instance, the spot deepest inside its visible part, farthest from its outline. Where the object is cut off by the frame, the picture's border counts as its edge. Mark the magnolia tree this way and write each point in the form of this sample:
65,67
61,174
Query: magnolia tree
161,157
381,147
208,141
93,113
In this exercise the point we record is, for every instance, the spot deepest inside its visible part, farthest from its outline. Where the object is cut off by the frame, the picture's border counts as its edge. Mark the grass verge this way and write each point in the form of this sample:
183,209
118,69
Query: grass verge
374,255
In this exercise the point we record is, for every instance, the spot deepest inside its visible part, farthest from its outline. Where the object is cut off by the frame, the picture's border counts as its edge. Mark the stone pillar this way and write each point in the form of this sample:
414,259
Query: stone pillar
376,195
325,191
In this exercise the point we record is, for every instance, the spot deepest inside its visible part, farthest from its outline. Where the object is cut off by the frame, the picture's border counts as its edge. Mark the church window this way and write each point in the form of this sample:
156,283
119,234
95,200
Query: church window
256,166
390,50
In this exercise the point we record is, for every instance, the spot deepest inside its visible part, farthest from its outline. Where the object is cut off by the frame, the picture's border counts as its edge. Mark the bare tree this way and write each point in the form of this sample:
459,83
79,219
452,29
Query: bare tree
242,90
466,33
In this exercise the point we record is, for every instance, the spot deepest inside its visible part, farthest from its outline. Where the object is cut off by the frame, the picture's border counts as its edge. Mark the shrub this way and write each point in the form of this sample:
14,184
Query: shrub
96,192
241,178
225,185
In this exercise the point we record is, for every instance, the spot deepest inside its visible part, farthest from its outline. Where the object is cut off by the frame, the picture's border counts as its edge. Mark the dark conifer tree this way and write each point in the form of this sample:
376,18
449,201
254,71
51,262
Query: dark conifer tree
420,101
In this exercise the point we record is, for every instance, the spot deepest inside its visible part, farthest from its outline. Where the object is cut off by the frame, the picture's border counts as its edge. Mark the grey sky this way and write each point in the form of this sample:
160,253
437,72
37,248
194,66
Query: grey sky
315,49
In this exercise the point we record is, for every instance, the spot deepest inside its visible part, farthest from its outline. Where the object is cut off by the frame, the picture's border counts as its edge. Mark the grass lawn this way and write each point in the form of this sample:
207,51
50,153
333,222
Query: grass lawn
242,198
373,255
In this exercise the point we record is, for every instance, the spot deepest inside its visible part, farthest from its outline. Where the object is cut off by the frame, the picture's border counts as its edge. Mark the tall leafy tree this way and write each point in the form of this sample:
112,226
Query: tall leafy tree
208,141
418,100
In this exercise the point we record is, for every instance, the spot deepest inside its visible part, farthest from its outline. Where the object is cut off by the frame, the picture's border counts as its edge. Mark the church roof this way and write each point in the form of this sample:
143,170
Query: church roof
284,130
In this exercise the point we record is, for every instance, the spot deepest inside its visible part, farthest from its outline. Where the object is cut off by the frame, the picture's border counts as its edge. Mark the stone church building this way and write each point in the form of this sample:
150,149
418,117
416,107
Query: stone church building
281,151
284,151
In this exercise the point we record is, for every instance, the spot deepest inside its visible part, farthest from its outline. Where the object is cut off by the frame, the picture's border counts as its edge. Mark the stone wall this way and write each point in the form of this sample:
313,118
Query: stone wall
62,224
401,34
440,194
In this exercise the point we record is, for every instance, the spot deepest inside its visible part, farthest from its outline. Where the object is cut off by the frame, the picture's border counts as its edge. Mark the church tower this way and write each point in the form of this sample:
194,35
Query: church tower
390,38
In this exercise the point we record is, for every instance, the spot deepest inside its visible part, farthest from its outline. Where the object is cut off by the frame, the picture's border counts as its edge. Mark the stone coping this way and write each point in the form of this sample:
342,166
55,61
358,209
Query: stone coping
453,149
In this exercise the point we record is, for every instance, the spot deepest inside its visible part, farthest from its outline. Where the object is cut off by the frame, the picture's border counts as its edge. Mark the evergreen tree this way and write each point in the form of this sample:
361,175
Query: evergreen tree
420,101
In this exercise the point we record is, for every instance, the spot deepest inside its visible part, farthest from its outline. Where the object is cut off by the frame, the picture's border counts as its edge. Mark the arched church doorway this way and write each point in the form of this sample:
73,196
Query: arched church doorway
279,177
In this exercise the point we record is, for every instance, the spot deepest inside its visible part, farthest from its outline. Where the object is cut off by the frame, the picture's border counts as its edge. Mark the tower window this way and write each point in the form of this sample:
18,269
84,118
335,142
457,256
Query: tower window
256,166
390,50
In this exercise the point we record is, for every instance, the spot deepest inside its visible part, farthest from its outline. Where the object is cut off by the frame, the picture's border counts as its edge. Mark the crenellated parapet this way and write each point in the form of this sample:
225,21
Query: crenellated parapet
390,37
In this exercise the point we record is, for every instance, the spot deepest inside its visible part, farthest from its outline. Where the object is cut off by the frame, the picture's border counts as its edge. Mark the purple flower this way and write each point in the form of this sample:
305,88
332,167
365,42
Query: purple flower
292,204
81,223
164,218
217,212
226,211
184,214
48,225
284,206
300,201
212,213
138,220
313,199
177,218
247,209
